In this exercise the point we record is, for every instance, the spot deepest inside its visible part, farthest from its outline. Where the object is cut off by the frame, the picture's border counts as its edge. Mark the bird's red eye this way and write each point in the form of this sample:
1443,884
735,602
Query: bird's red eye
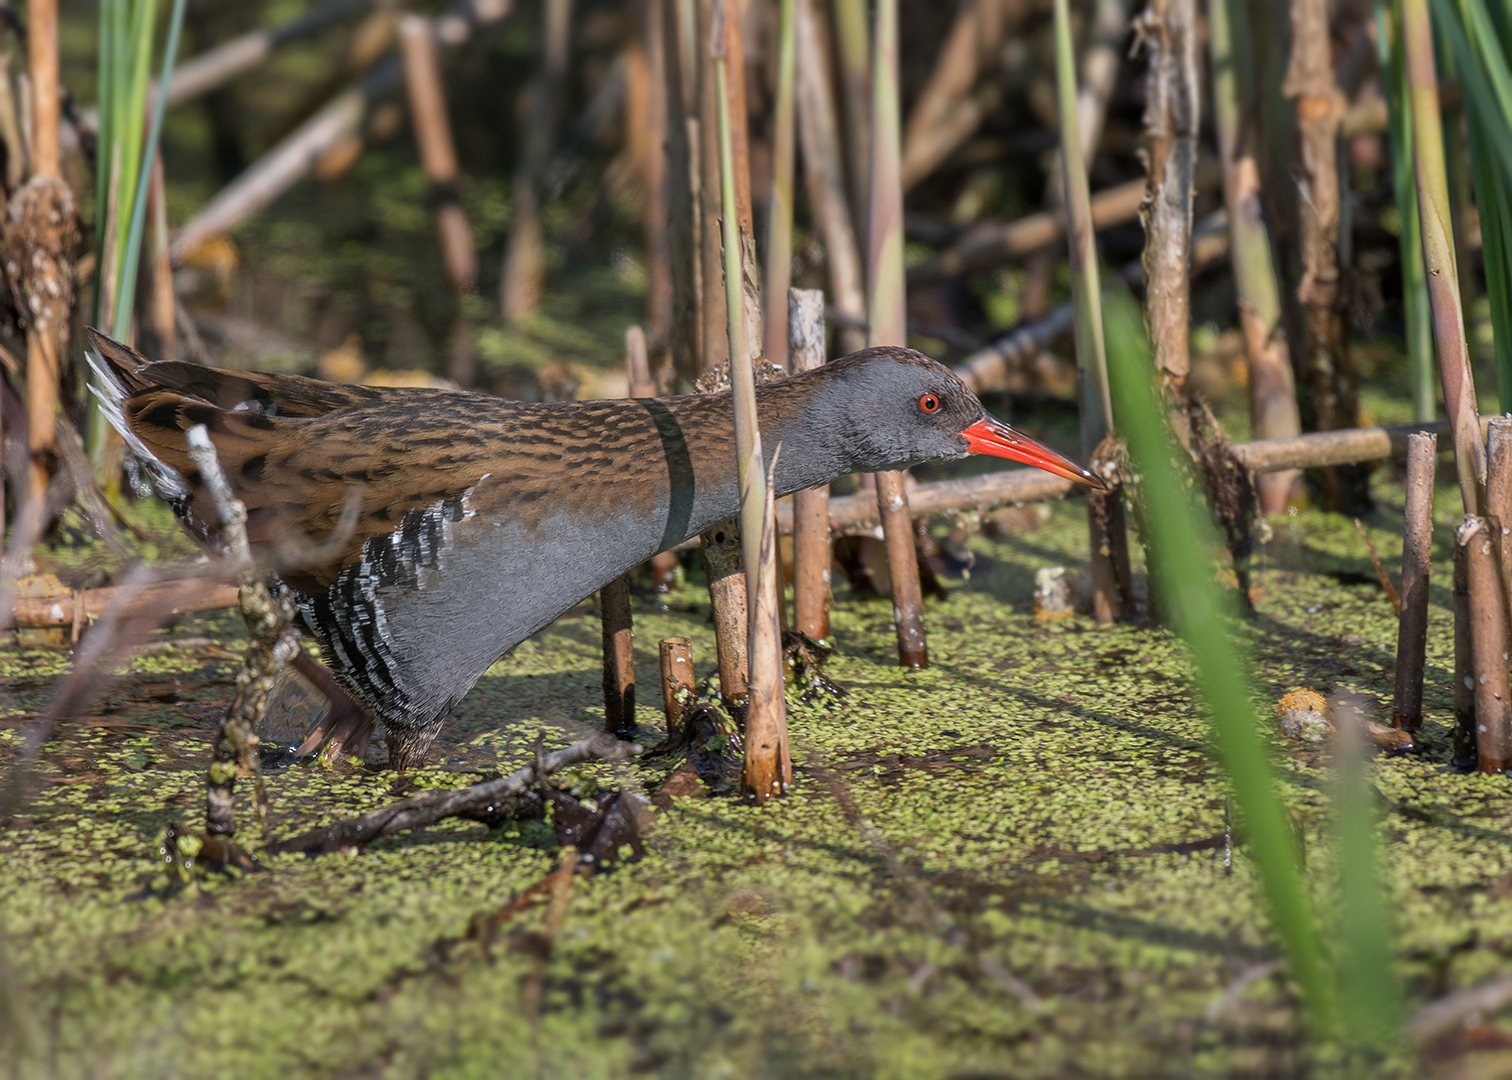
929,403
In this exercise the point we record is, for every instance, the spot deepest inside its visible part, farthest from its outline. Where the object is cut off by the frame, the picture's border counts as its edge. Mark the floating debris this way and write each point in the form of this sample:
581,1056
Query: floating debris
1304,714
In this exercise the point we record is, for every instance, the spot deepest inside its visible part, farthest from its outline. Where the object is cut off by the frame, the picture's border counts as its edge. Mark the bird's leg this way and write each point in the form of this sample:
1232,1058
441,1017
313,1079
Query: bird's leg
347,725
408,746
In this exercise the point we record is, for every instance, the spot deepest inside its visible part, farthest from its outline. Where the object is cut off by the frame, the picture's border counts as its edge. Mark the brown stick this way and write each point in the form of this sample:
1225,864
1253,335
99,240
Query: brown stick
170,597
524,272
994,243
619,657
637,364
677,679
655,179
164,320
727,598
433,806
811,534
1499,492
684,187
1417,554
1325,365
946,113
1464,665
1384,578
1168,30
824,176
42,56
427,101
1488,642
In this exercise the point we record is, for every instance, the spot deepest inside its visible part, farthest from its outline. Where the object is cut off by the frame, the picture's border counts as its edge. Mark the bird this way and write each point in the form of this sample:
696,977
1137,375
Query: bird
449,526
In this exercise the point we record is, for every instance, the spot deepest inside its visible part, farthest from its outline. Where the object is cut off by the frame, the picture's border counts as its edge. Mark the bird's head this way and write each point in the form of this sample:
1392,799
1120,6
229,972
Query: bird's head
902,407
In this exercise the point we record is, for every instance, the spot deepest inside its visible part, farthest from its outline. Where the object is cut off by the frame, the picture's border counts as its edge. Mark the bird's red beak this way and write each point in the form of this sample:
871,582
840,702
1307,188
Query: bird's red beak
991,436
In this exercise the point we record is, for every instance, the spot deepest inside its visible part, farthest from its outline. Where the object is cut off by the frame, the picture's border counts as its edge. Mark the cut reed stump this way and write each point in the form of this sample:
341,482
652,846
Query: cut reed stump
677,680
811,531
1417,552
619,657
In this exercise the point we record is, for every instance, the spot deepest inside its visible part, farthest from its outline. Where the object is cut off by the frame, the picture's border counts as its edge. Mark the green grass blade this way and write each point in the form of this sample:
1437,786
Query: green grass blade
126,294
1181,538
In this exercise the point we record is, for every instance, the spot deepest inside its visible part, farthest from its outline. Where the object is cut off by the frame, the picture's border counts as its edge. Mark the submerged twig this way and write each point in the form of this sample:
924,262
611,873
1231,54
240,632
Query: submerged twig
421,810
1381,575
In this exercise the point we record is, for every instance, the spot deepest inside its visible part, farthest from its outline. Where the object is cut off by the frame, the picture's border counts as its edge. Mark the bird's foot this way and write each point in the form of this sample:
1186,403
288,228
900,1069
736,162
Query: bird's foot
346,731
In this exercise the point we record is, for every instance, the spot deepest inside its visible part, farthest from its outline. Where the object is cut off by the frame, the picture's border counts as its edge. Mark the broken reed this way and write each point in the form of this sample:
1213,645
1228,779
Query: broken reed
887,321
768,768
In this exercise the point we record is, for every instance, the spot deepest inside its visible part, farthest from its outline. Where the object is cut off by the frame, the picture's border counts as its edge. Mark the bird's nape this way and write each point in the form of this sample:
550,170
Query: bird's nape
995,438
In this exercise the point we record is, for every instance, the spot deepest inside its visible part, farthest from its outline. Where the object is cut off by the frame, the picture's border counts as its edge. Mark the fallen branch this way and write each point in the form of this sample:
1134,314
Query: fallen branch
993,243
167,598
426,809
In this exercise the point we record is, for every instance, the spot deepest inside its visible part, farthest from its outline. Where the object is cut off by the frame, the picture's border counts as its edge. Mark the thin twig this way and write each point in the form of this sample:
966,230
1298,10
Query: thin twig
1381,575
426,809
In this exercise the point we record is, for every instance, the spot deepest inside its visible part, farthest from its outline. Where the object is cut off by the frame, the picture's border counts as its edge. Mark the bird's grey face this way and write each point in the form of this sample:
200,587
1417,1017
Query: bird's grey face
907,408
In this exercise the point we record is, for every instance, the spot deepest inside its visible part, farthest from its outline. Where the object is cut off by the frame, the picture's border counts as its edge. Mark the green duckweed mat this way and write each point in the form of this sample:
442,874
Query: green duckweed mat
1040,885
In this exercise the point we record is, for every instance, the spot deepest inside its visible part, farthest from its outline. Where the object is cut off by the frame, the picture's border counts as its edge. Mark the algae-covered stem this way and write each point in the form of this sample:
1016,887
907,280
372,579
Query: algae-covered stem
887,314
271,644
811,528
1417,553
766,720
677,680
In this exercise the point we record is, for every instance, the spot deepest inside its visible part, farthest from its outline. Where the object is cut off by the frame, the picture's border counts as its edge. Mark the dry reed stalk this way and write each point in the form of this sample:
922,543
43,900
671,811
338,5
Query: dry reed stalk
1448,319
1488,642
1464,667
1168,31
1272,387
163,307
678,685
619,657
438,156
637,364
654,178
825,177
946,112
1417,554
1104,517
779,268
1499,492
524,272
684,186
992,243
1325,364
1380,568
768,770
853,50
811,531
42,222
887,311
